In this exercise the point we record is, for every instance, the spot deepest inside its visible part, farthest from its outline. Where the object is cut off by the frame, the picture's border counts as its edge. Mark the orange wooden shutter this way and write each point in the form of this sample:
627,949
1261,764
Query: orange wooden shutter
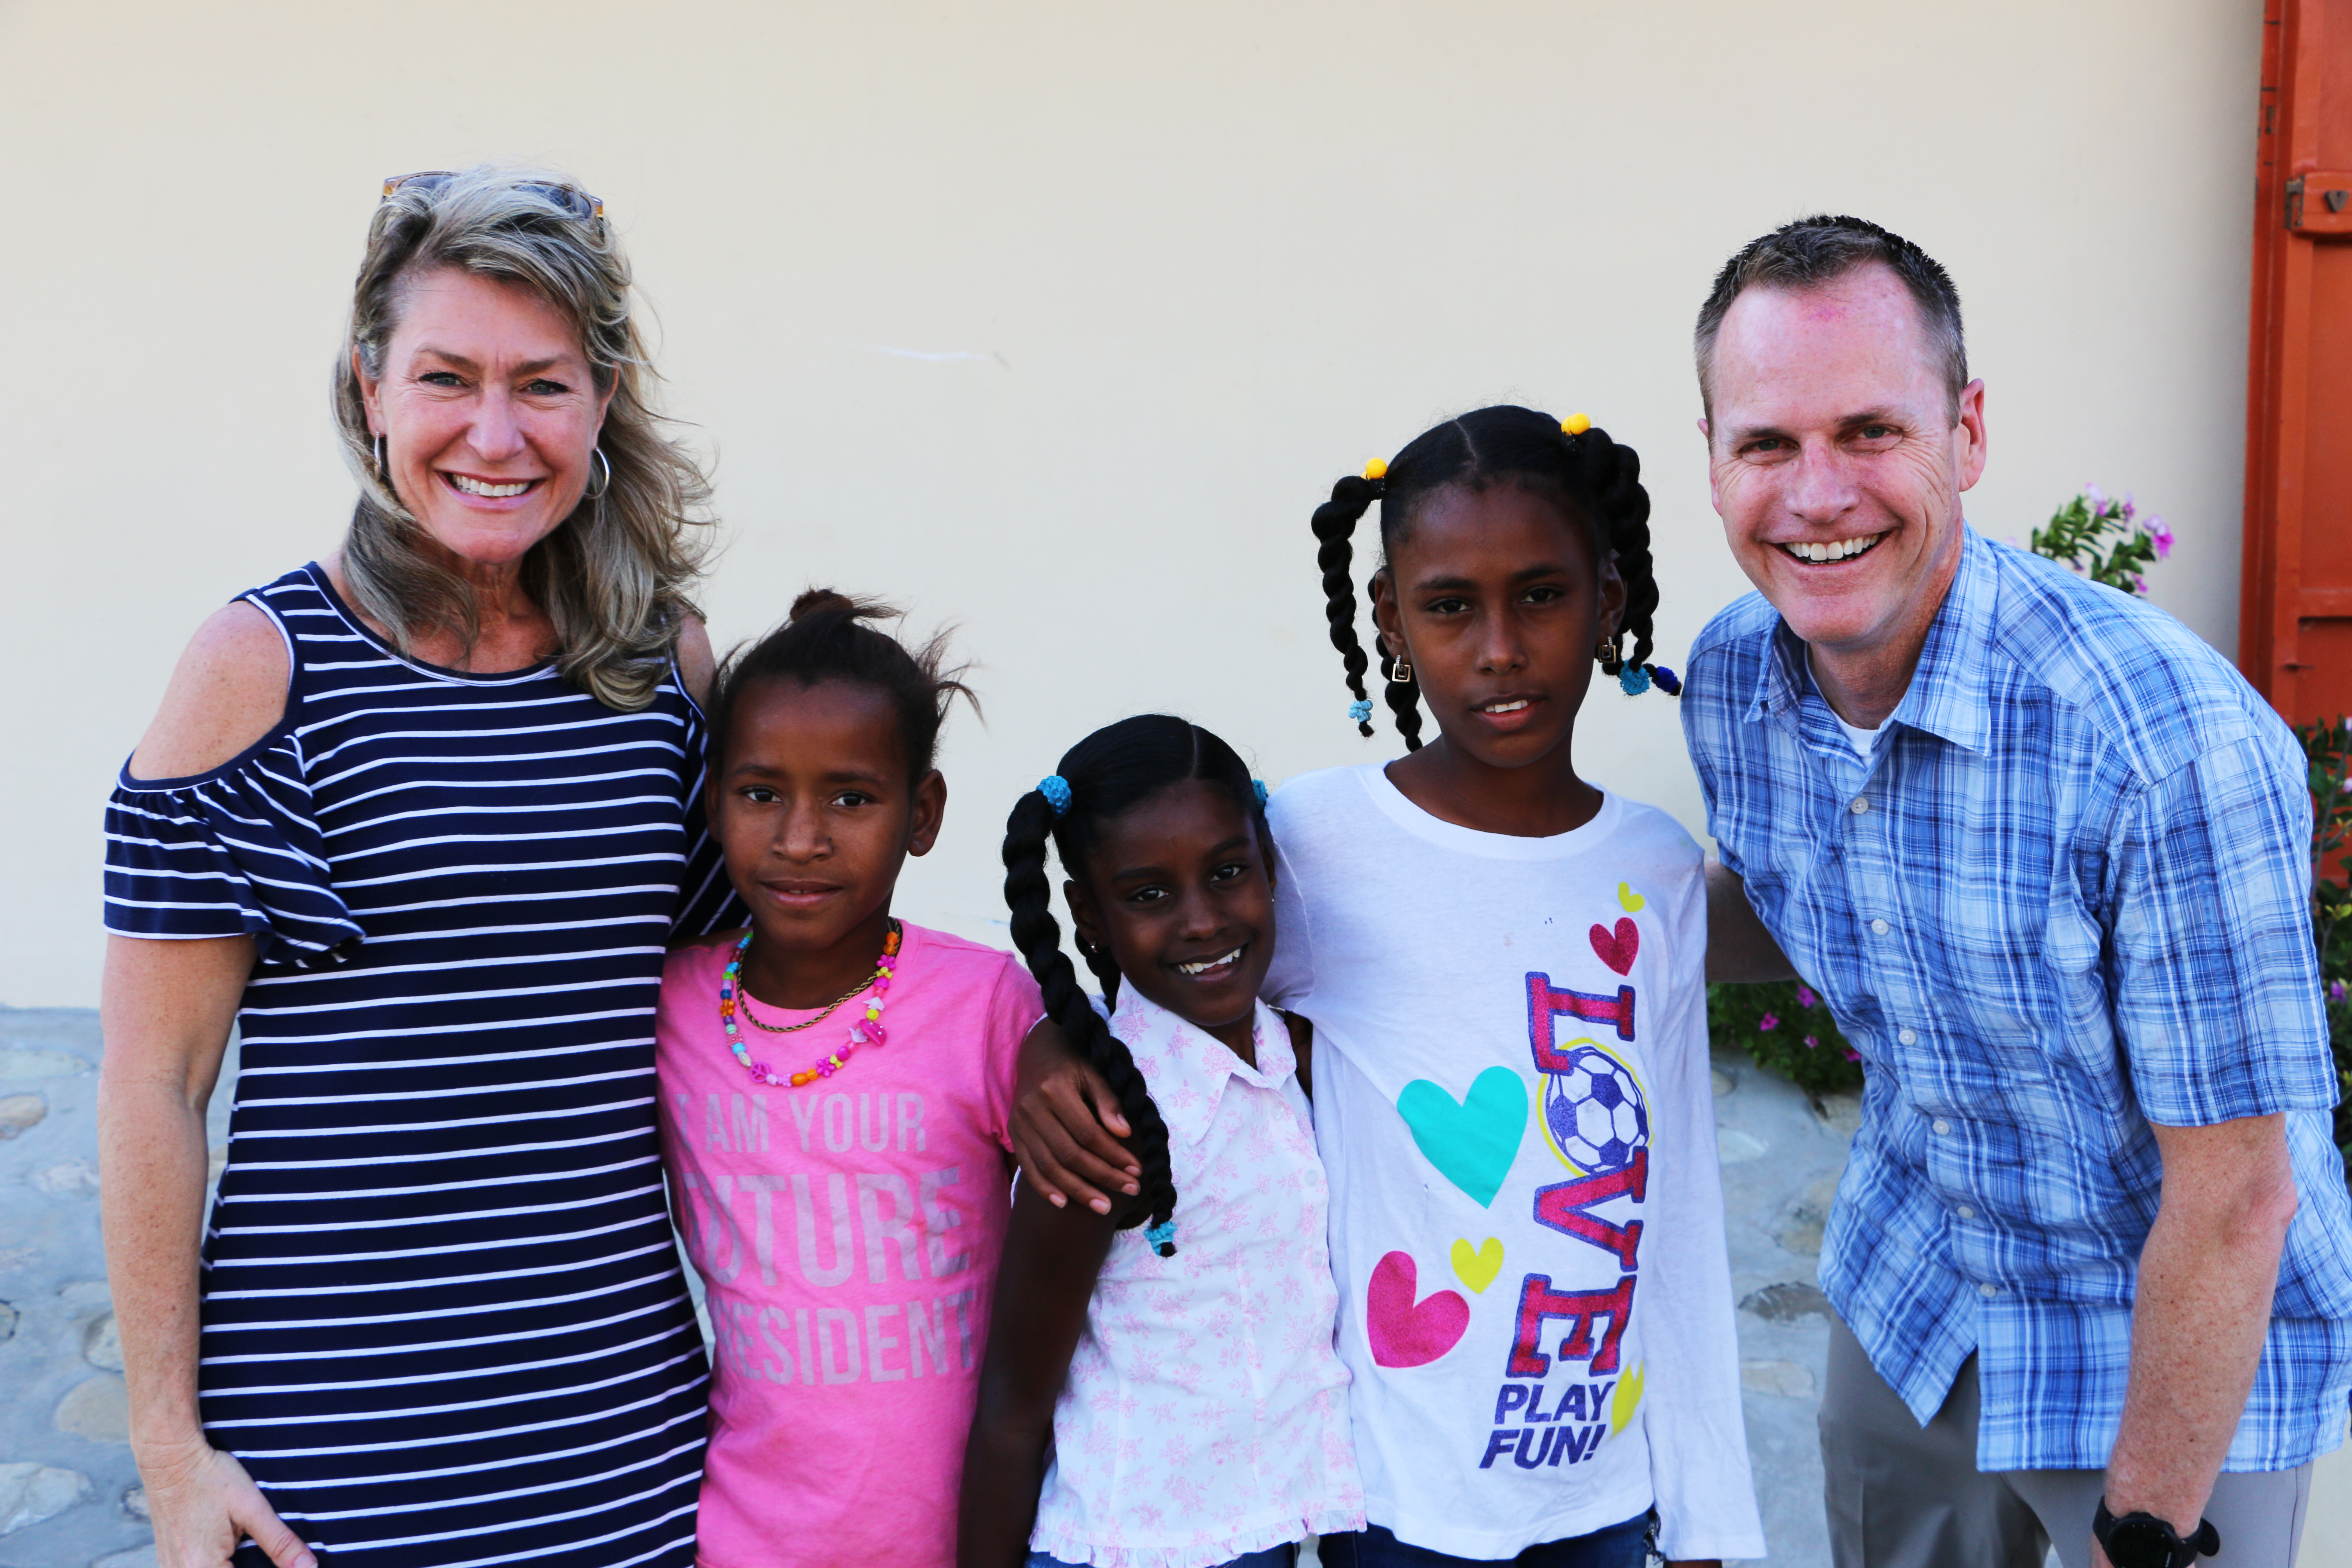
2296,613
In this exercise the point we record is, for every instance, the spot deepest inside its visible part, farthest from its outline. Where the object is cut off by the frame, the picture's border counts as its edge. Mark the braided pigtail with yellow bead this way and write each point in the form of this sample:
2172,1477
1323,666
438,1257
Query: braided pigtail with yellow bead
1335,524
1611,475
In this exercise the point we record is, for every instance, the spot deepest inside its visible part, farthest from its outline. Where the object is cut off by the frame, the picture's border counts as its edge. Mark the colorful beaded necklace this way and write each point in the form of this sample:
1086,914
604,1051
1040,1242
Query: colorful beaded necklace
866,1031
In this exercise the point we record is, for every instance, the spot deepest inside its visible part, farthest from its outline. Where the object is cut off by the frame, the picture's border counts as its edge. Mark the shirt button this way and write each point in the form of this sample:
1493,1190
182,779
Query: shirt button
1987,1291
1859,806
1909,1036
1879,927
1942,1127
1965,1212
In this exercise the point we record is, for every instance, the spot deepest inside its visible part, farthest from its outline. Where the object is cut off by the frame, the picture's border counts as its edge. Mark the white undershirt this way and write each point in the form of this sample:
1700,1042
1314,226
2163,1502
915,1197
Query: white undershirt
1864,740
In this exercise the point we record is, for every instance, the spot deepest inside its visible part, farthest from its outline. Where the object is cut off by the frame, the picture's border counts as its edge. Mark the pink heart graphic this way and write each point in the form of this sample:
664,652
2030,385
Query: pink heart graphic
1617,952
1404,1334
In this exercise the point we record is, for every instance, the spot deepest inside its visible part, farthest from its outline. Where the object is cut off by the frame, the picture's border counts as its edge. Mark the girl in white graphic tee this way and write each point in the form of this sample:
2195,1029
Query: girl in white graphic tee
1504,965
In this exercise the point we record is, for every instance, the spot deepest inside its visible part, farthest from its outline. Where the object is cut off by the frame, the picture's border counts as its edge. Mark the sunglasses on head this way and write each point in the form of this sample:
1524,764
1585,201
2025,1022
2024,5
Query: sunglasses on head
576,202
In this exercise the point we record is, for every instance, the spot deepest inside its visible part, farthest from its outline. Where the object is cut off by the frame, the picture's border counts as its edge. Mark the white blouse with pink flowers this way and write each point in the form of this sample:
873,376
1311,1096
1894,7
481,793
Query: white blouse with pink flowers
1205,1415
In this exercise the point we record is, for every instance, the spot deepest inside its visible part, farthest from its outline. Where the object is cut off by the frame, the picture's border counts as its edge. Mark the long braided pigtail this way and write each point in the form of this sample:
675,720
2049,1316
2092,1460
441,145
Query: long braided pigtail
1038,938
1612,474
1335,526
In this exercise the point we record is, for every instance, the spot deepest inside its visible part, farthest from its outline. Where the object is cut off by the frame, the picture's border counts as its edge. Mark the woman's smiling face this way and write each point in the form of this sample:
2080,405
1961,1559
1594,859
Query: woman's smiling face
489,414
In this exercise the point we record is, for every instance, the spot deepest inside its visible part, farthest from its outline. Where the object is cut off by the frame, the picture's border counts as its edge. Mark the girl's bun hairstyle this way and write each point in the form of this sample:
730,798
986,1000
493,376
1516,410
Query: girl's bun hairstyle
1109,773
1589,476
826,639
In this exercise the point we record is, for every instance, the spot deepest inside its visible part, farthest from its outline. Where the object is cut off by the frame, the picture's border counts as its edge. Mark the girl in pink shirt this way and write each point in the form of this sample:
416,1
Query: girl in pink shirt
835,1085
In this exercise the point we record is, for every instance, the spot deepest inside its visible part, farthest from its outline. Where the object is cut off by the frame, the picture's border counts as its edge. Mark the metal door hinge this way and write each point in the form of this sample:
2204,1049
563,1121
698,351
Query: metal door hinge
2328,210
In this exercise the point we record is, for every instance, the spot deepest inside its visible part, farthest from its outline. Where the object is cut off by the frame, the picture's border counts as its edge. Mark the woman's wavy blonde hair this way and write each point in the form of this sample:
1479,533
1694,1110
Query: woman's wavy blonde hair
614,575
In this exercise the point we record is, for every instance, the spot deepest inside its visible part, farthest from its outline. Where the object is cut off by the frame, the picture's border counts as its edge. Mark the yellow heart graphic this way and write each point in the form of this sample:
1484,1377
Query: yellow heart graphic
1628,900
1477,1266
1628,1399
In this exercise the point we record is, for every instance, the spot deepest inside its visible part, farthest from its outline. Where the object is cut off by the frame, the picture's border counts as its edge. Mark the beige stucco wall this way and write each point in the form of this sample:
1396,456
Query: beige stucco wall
1056,320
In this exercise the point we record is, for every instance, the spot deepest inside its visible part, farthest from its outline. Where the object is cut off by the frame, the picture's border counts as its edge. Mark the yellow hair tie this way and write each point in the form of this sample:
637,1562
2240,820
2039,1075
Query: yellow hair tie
1575,425
1376,469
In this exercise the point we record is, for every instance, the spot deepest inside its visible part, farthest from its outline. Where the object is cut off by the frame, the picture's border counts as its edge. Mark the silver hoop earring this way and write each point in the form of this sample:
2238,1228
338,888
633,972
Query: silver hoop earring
1401,672
607,464
381,472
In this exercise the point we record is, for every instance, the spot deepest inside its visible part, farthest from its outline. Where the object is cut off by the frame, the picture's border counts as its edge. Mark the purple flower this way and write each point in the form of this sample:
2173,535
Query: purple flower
2336,990
2139,584
1851,1055
2126,510
2162,536
1769,1022
2096,497
1813,1042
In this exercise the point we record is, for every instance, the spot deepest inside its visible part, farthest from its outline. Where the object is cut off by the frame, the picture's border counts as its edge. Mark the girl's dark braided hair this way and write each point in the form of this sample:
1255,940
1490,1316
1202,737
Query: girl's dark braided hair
1590,477
1109,773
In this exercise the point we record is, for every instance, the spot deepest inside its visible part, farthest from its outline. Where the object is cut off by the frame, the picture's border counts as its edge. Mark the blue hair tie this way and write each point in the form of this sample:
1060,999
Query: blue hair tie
1162,1237
1360,711
1635,679
1056,791
1668,682
1259,785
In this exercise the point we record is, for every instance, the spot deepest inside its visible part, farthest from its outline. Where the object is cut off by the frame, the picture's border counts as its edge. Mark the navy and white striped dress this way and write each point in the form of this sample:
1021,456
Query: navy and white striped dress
444,1319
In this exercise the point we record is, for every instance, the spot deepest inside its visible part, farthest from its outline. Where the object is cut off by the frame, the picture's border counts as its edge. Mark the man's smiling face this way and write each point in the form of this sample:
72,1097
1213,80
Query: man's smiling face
1836,460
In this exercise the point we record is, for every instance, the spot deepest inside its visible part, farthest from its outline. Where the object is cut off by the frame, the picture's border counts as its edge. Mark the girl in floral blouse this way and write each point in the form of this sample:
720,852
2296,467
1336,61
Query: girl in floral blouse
1143,1404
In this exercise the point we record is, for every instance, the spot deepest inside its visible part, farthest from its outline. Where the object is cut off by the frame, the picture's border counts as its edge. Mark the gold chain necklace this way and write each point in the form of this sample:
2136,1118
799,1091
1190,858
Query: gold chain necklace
744,1002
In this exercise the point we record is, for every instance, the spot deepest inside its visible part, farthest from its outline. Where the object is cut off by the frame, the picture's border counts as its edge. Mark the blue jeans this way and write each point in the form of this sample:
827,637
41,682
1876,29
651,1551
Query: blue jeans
1618,1546
1272,1557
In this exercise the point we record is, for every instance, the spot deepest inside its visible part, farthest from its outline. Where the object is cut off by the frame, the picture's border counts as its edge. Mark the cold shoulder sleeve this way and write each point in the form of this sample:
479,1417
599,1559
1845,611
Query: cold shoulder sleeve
233,852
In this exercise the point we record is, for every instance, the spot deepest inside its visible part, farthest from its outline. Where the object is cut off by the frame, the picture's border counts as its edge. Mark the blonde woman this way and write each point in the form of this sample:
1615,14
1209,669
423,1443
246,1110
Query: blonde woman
418,818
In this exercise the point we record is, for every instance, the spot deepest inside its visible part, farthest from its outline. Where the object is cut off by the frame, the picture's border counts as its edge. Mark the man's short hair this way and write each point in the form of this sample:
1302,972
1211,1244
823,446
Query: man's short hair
1814,252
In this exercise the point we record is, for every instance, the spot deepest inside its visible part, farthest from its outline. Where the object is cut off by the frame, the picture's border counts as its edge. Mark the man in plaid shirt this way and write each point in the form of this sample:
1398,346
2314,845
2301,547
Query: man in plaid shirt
2048,858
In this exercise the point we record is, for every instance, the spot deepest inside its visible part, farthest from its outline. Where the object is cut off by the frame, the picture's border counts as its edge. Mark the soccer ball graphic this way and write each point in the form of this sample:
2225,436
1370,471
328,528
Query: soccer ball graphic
1594,1112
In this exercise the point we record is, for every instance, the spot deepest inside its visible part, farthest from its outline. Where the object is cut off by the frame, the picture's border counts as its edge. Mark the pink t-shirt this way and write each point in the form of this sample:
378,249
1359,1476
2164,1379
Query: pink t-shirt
847,1232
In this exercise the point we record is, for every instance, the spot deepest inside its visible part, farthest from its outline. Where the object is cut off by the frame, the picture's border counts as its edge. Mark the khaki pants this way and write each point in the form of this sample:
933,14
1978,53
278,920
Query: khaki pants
1903,1496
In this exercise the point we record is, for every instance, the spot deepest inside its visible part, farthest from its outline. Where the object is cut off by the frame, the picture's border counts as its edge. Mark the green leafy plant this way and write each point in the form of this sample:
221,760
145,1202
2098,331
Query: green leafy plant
2104,539
2328,749
1785,1026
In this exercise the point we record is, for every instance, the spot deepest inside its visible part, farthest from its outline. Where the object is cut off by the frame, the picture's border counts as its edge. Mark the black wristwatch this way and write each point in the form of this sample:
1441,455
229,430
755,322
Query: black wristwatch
2144,1541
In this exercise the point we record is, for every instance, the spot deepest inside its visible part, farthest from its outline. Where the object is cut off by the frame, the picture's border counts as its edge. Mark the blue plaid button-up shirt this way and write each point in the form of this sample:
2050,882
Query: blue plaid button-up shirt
2066,897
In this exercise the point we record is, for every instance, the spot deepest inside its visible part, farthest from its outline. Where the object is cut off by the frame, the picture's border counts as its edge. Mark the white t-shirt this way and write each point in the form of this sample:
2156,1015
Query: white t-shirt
1513,1103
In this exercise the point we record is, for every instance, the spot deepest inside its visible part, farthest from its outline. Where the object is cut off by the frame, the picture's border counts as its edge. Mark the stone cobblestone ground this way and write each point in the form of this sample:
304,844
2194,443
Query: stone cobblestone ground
69,1495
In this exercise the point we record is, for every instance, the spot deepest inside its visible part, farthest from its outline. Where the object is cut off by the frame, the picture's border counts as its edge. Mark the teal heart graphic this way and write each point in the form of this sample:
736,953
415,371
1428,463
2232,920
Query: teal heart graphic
1473,1141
